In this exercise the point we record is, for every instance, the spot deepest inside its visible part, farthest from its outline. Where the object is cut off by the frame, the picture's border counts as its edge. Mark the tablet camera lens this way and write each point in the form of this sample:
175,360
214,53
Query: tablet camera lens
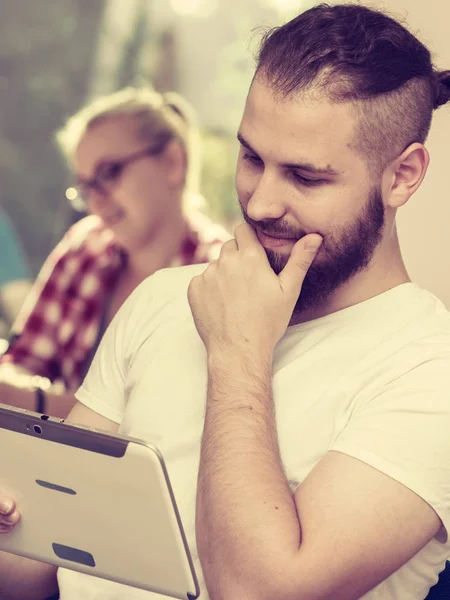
37,429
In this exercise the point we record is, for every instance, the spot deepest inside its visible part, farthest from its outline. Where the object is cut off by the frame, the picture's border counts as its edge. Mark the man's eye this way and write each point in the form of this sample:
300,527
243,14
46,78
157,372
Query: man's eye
305,181
110,172
253,159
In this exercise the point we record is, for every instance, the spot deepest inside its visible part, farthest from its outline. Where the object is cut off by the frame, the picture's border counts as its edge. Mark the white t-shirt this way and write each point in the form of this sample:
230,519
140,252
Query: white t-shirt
371,381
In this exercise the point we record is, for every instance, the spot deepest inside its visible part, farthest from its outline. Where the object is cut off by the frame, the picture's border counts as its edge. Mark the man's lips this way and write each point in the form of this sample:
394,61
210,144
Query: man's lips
270,241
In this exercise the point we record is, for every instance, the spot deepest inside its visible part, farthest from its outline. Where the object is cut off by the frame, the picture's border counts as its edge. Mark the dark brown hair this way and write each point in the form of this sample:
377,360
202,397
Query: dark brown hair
351,53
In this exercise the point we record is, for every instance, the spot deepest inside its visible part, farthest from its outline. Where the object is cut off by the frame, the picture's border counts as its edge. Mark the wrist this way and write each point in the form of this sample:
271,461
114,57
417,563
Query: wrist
238,382
235,359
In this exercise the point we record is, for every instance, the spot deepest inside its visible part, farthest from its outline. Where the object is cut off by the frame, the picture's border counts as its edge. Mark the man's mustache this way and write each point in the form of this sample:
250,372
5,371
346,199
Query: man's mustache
275,228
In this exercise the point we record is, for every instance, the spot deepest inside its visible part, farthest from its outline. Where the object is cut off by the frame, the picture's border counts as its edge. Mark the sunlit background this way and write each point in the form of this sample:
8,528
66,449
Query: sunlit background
55,55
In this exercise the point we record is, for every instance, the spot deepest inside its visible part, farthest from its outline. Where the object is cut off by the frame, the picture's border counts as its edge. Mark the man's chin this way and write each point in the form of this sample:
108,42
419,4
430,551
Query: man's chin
277,260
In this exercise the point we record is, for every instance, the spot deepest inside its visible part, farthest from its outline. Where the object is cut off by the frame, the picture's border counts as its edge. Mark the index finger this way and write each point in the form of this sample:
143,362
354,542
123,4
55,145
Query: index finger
246,238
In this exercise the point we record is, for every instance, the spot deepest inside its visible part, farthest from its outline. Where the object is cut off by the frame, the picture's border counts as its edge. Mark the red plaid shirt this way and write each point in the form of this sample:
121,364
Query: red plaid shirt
58,329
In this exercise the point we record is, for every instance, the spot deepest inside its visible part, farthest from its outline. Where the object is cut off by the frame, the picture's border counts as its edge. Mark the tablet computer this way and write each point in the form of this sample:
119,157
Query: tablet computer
93,502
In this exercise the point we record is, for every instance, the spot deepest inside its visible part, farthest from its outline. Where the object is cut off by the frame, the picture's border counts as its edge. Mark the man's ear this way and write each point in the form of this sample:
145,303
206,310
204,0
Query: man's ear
175,160
404,175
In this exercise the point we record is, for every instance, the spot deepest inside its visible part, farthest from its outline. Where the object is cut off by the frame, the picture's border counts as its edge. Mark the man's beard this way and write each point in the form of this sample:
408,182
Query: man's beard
343,253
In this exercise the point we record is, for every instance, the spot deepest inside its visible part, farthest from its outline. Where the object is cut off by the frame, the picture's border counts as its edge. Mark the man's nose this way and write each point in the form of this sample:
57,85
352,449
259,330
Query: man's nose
268,200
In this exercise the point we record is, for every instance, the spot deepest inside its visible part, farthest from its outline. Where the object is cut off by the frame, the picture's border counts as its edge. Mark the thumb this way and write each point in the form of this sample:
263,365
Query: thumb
302,255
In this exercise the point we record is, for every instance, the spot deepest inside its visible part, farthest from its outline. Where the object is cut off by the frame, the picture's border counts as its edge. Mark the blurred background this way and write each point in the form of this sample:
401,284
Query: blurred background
55,55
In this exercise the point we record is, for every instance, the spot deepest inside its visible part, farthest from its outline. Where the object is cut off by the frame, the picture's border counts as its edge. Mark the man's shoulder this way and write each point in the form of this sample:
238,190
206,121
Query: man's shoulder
159,303
414,348
433,323
165,288
172,281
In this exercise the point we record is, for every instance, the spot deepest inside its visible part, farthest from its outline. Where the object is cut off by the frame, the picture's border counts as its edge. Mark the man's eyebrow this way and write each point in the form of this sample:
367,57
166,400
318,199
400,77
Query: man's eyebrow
244,143
303,166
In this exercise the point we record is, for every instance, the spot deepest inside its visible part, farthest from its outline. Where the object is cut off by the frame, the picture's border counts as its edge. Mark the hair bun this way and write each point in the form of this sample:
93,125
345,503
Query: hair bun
442,88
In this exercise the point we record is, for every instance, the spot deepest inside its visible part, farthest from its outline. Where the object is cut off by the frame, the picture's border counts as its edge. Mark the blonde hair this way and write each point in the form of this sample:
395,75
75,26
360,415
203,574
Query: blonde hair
160,118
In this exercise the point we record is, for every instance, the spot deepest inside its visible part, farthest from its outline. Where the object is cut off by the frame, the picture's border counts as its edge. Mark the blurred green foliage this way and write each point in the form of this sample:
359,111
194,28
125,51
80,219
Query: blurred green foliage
219,165
46,54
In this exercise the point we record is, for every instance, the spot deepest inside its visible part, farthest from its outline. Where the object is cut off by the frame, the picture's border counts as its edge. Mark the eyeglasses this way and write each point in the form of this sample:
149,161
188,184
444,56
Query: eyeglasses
106,177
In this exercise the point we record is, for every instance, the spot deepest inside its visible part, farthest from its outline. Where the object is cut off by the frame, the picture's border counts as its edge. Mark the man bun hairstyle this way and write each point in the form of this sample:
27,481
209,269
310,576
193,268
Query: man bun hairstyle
351,53
442,88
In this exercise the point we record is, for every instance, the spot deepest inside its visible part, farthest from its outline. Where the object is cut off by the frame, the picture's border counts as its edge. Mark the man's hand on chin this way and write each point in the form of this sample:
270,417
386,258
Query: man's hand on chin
239,301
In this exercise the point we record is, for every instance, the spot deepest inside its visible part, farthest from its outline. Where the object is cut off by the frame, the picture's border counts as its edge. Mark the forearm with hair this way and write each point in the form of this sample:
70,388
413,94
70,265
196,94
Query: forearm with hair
246,520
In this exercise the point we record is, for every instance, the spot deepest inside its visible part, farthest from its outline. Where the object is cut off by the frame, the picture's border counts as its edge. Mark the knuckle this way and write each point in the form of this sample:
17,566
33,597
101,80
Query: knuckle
229,245
191,292
225,258
191,286
238,228
210,270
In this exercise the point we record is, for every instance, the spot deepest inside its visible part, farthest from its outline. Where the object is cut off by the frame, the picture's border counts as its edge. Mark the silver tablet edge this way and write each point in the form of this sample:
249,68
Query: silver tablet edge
96,440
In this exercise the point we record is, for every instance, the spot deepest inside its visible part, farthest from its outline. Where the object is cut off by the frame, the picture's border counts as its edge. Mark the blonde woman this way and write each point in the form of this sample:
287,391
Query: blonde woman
134,155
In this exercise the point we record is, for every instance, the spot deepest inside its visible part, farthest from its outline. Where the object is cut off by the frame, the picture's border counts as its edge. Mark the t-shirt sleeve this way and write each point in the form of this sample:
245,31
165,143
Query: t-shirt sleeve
404,432
104,387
